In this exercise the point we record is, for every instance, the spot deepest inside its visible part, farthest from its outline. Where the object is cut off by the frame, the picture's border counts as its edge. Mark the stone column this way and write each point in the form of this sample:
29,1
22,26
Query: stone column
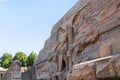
70,50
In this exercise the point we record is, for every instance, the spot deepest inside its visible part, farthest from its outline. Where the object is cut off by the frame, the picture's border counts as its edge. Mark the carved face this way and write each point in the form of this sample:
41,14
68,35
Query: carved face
62,34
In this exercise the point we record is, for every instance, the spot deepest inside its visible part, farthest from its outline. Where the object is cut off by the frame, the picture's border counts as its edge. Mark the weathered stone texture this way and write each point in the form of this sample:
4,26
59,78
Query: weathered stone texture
101,68
29,74
13,73
105,69
2,73
84,72
89,31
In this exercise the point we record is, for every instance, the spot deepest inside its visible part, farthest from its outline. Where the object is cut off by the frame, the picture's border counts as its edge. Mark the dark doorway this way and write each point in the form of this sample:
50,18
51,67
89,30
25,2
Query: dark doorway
63,65
56,77
1,75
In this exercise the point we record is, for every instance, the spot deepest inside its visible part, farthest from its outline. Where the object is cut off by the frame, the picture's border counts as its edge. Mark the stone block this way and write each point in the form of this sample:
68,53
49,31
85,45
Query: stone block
116,64
105,50
105,69
83,72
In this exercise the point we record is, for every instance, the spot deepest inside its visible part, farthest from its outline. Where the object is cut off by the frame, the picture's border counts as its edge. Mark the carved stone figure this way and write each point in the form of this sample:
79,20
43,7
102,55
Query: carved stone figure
62,48
85,42
70,49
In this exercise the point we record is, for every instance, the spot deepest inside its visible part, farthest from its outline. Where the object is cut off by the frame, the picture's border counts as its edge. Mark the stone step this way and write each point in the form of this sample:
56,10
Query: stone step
106,67
76,66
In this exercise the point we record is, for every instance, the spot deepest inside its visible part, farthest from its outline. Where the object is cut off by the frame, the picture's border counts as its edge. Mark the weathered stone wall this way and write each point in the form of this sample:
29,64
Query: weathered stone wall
29,74
89,31
26,76
13,73
2,73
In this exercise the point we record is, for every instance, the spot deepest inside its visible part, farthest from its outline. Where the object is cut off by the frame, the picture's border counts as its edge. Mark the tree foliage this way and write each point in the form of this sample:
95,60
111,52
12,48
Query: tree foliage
21,57
6,60
31,58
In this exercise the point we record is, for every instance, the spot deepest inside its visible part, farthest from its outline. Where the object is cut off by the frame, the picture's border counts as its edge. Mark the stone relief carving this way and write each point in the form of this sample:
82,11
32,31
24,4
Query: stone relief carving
77,38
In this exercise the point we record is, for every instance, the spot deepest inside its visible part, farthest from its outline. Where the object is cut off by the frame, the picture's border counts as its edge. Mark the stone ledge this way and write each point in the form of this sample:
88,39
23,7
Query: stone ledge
101,68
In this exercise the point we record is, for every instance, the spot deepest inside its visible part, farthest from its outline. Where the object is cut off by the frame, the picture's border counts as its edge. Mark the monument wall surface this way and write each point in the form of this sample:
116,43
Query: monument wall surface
13,73
2,72
29,74
84,44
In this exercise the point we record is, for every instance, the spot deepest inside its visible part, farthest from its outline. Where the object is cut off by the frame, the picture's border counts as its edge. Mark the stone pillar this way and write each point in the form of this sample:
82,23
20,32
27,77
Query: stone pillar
105,50
60,61
70,50
75,57
69,55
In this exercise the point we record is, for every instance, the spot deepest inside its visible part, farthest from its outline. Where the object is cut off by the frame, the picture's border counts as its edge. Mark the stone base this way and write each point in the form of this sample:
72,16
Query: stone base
106,68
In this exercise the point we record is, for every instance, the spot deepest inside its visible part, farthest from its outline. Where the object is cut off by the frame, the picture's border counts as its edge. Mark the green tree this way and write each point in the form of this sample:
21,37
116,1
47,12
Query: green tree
21,57
0,62
6,60
31,58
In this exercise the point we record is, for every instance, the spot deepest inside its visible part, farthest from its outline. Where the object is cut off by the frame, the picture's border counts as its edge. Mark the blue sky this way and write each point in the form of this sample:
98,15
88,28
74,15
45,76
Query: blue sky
26,24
